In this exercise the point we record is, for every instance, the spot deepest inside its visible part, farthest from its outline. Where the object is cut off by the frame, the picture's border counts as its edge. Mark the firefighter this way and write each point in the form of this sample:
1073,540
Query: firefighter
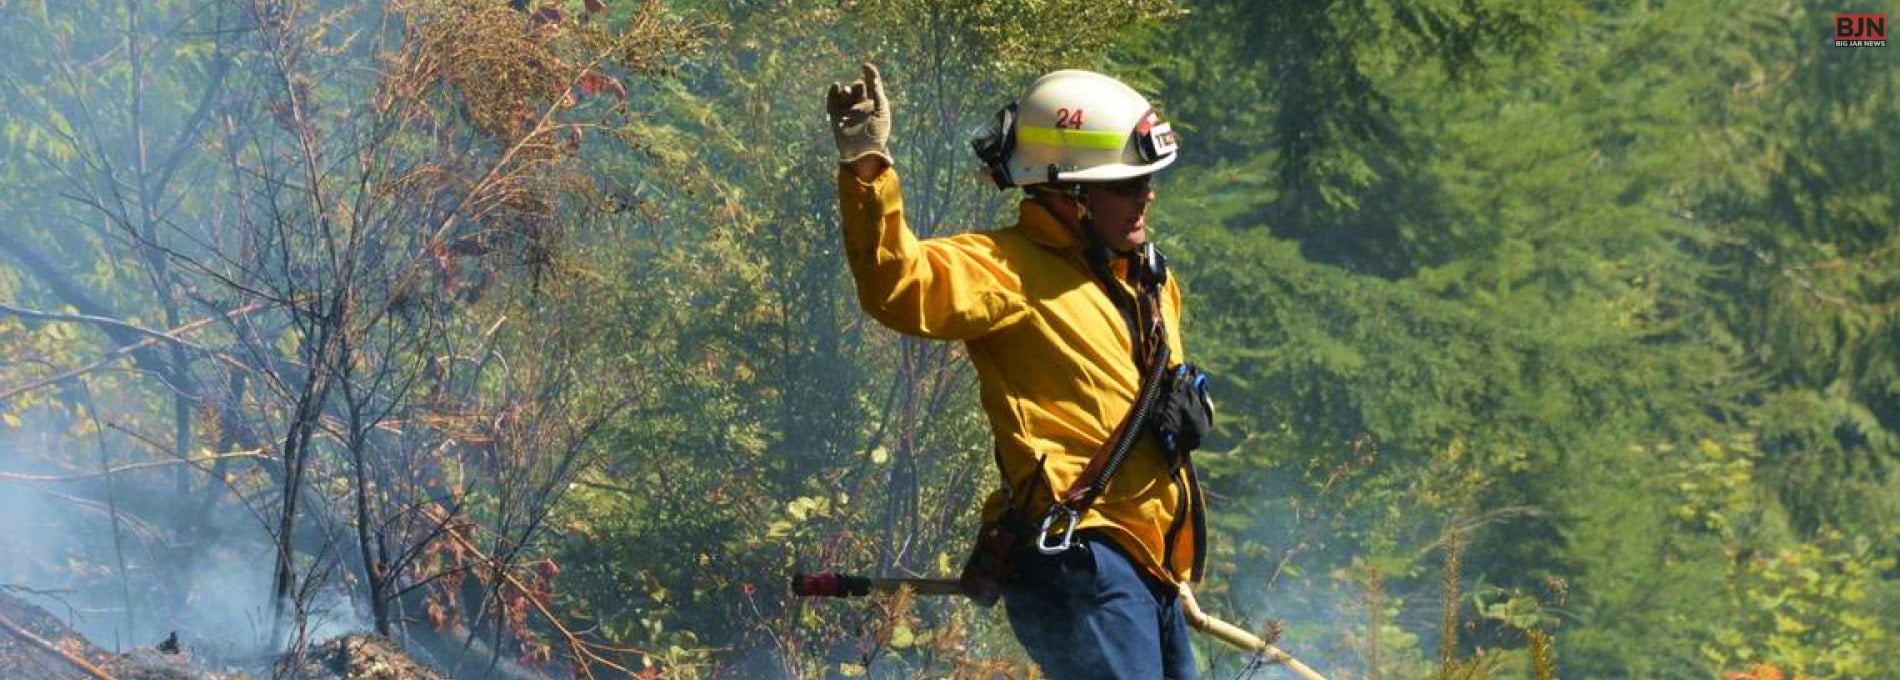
1073,325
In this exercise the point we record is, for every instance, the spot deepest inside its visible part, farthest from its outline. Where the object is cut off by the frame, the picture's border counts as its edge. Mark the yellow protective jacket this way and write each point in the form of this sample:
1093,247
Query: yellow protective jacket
1053,356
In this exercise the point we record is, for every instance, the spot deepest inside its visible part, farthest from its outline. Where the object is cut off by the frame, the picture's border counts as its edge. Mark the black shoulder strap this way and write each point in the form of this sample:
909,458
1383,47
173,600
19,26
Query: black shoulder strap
1150,340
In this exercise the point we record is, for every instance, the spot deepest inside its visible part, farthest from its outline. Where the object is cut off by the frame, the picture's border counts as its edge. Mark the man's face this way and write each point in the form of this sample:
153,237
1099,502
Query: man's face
1120,210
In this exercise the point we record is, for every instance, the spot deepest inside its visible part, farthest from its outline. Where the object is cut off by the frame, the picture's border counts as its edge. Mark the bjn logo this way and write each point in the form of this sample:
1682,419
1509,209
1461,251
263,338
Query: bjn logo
1860,27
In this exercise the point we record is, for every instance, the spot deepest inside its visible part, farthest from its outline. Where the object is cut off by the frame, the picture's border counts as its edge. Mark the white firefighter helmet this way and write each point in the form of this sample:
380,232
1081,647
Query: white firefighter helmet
1077,126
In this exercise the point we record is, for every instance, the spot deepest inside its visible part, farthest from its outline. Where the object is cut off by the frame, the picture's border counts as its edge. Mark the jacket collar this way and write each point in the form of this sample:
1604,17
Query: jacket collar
1047,230
1044,228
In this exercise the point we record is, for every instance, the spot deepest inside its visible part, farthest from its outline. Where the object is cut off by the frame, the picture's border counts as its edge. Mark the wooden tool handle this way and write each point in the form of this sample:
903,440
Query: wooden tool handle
1233,635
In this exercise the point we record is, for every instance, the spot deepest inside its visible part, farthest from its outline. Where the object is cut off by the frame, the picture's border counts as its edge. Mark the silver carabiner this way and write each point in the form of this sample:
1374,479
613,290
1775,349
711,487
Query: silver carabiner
1068,534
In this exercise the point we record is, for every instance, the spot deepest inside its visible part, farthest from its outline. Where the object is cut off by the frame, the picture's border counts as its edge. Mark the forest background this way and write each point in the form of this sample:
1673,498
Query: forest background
1547,334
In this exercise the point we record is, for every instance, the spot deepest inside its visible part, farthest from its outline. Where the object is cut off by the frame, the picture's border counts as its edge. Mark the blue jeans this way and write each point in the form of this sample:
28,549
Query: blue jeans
1090,613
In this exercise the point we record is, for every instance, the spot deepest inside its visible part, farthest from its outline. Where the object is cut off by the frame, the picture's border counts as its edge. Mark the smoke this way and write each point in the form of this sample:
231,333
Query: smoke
1321,615
57,544
1302,564
55,540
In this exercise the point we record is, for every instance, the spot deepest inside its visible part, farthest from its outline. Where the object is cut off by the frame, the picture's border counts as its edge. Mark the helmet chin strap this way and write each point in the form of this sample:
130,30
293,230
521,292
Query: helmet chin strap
1097,256
1083,226
1145,263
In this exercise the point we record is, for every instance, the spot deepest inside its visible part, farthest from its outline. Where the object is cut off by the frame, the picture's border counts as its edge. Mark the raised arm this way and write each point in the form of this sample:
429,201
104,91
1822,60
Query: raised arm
955,288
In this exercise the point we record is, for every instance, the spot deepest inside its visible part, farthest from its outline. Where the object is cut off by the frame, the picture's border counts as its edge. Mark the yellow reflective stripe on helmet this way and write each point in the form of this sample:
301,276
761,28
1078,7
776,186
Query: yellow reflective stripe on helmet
1077,139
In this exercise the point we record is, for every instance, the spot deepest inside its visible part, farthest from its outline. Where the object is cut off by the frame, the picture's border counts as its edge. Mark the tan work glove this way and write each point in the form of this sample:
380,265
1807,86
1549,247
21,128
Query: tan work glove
860,118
